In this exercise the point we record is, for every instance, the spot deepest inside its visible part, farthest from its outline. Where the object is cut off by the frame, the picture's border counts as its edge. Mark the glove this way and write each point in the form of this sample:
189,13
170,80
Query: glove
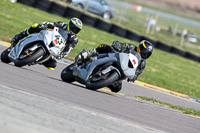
42,26
83,55
116,45
38,28
78,58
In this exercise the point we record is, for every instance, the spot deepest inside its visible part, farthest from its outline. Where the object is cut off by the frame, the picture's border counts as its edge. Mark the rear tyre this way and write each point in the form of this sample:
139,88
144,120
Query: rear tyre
67,74
4,56
30,58
112,77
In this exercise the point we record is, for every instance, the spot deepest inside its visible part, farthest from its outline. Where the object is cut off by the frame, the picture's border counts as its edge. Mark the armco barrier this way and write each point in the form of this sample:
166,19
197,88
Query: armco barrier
178,51
118,30
132,36
27,2
102,25
88,20
57,9
163,46
69,12
42,4
192,57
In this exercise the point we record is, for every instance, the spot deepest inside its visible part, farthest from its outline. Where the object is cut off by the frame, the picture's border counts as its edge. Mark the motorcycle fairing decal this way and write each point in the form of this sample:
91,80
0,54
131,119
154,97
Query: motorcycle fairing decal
58,39
134,60
55,41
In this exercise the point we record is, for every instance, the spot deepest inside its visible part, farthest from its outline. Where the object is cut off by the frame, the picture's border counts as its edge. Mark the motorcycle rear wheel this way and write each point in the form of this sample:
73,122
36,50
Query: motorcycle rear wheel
67,74
112,77
30,58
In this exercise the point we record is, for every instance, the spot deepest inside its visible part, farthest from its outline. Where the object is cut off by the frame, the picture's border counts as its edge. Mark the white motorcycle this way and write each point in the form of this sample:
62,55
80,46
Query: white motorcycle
36,48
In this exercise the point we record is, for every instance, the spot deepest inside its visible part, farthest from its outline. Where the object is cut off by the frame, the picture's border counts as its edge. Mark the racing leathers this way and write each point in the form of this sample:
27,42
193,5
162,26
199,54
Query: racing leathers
70,44
119,47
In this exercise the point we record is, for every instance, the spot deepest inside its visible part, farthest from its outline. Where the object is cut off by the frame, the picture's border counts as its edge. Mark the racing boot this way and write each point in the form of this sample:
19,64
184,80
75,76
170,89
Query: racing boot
18,37
51,63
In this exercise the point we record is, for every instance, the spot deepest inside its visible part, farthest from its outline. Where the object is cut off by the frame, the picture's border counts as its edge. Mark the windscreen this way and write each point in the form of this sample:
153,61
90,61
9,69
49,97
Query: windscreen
63,33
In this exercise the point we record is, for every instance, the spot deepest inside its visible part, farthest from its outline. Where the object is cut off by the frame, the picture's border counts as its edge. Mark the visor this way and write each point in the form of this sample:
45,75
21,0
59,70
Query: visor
146,55
74,28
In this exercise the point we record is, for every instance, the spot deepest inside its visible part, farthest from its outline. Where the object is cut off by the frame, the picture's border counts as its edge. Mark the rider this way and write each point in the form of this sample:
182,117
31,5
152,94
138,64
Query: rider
72,28
145,49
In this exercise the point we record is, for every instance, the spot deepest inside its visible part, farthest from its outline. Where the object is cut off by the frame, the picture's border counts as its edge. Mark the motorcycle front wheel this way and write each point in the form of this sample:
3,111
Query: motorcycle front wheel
112,77
4,56
30,57
67,74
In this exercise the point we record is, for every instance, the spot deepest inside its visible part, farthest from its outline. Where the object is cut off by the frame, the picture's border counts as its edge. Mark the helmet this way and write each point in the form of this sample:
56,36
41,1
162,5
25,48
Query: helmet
145,49
74,25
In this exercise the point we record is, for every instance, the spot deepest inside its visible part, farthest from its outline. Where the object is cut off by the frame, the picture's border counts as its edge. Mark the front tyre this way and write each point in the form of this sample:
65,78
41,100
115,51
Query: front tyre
112,77
4,56
30,57
67,74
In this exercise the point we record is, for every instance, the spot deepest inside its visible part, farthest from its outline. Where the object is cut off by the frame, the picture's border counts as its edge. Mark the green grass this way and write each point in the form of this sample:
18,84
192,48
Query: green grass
172,72
163,69
184,110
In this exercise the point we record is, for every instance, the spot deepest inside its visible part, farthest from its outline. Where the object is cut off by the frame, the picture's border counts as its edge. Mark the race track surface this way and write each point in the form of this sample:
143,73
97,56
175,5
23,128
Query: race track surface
35,99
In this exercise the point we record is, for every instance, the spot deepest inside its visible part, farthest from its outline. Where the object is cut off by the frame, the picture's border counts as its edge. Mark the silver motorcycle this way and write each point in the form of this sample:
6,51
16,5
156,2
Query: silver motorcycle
103,70
36,48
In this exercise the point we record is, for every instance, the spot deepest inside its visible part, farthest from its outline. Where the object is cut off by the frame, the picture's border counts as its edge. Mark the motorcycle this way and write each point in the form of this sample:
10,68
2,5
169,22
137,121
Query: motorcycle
36,48
103,70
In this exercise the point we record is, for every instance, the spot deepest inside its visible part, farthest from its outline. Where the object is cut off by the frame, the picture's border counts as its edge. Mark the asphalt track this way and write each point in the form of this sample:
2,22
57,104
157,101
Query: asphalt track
34,99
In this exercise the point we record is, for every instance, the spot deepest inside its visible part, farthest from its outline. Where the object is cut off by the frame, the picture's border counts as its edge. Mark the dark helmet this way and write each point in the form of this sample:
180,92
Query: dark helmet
74,25
145,49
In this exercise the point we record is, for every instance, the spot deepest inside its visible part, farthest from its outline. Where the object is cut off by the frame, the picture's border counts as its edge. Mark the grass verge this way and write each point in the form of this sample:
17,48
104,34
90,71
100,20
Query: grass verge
184,110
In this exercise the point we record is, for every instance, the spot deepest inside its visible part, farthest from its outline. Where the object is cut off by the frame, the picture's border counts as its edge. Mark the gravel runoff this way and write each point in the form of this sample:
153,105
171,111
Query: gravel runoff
22,112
